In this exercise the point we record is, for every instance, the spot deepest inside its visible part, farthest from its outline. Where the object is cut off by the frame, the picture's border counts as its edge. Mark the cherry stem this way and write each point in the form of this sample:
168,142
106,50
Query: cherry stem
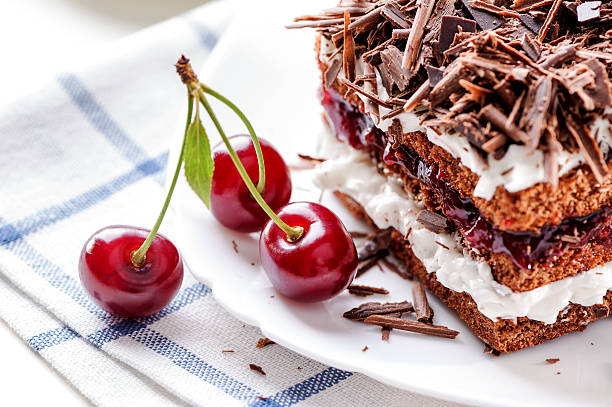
293,233
261,184
139,256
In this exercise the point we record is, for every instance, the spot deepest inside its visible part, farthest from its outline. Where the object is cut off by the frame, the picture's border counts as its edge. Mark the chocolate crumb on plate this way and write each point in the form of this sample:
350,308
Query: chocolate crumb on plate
256,368
368,264
398,267
364,348
386,331
423,311
235,246
263,342
552,361
228,351
367,309
411,326
365,290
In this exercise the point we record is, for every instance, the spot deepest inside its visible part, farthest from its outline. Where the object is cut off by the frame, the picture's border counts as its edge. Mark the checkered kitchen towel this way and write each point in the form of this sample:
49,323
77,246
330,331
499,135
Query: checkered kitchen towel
89,150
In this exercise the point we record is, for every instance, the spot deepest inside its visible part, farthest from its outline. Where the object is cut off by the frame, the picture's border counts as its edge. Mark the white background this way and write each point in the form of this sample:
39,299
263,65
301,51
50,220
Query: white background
39,39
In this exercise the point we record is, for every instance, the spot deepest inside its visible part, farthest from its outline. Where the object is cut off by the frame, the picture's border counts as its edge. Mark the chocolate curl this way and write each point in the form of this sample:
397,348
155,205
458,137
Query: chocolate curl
348,56
417,30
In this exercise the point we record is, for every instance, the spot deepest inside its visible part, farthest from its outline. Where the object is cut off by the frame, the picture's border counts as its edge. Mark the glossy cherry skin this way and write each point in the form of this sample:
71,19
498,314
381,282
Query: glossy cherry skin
118,286
230,201
321,264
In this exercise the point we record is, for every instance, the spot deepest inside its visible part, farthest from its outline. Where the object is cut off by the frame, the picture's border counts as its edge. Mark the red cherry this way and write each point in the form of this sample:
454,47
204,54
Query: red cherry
119,287
319,265
230,201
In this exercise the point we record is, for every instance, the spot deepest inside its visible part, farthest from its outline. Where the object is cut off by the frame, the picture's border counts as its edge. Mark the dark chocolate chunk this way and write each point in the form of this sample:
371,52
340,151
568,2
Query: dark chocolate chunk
434,74
530,22
449,27
485,20
589,10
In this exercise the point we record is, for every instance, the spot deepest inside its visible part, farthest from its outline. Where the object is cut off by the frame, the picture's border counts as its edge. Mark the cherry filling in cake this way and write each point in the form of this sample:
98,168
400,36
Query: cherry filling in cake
355,128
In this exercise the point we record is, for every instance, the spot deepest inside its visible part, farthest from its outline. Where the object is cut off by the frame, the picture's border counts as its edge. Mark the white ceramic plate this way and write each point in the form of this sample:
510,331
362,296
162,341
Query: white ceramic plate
272,75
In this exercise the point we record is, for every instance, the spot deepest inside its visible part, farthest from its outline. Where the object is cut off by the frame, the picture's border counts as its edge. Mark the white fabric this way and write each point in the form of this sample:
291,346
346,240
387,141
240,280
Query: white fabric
89,150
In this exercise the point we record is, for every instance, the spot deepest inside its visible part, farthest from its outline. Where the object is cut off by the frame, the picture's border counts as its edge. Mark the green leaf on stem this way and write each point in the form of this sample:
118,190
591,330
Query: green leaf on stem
199,164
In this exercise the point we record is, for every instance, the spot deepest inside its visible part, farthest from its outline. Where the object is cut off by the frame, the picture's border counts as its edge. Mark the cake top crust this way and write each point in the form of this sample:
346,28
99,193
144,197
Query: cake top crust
498,72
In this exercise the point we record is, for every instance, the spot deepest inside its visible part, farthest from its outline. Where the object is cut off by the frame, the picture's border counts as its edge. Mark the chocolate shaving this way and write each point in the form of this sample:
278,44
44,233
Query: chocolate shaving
531,48
391,70
549,19
331,73
413,45
368,309
420,94
316,24
447,85
423,311
370,95
365,290
588,146
400,34
412,326
537,106
560,55
370,86
263,342
257,369
495,116
432,221
348,56
552,361
599,95
492,8
367,265
392,13
526,5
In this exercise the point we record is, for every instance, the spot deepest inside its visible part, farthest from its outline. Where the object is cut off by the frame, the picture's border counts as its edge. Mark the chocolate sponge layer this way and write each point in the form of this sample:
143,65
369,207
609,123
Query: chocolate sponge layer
502,335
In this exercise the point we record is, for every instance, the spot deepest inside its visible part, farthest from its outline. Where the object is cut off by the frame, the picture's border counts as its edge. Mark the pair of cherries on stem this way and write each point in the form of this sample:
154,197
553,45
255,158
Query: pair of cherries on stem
133,272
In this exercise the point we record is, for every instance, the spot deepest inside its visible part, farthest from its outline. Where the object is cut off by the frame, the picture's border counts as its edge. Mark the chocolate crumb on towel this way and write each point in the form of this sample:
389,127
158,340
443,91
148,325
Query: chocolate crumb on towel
263,342
256,368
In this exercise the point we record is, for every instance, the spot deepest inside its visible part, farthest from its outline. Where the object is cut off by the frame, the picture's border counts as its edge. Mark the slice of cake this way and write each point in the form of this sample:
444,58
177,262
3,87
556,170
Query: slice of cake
481,133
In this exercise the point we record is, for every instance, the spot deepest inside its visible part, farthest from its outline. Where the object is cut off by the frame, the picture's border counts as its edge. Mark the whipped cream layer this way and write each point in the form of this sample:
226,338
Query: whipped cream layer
516,171
389,205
